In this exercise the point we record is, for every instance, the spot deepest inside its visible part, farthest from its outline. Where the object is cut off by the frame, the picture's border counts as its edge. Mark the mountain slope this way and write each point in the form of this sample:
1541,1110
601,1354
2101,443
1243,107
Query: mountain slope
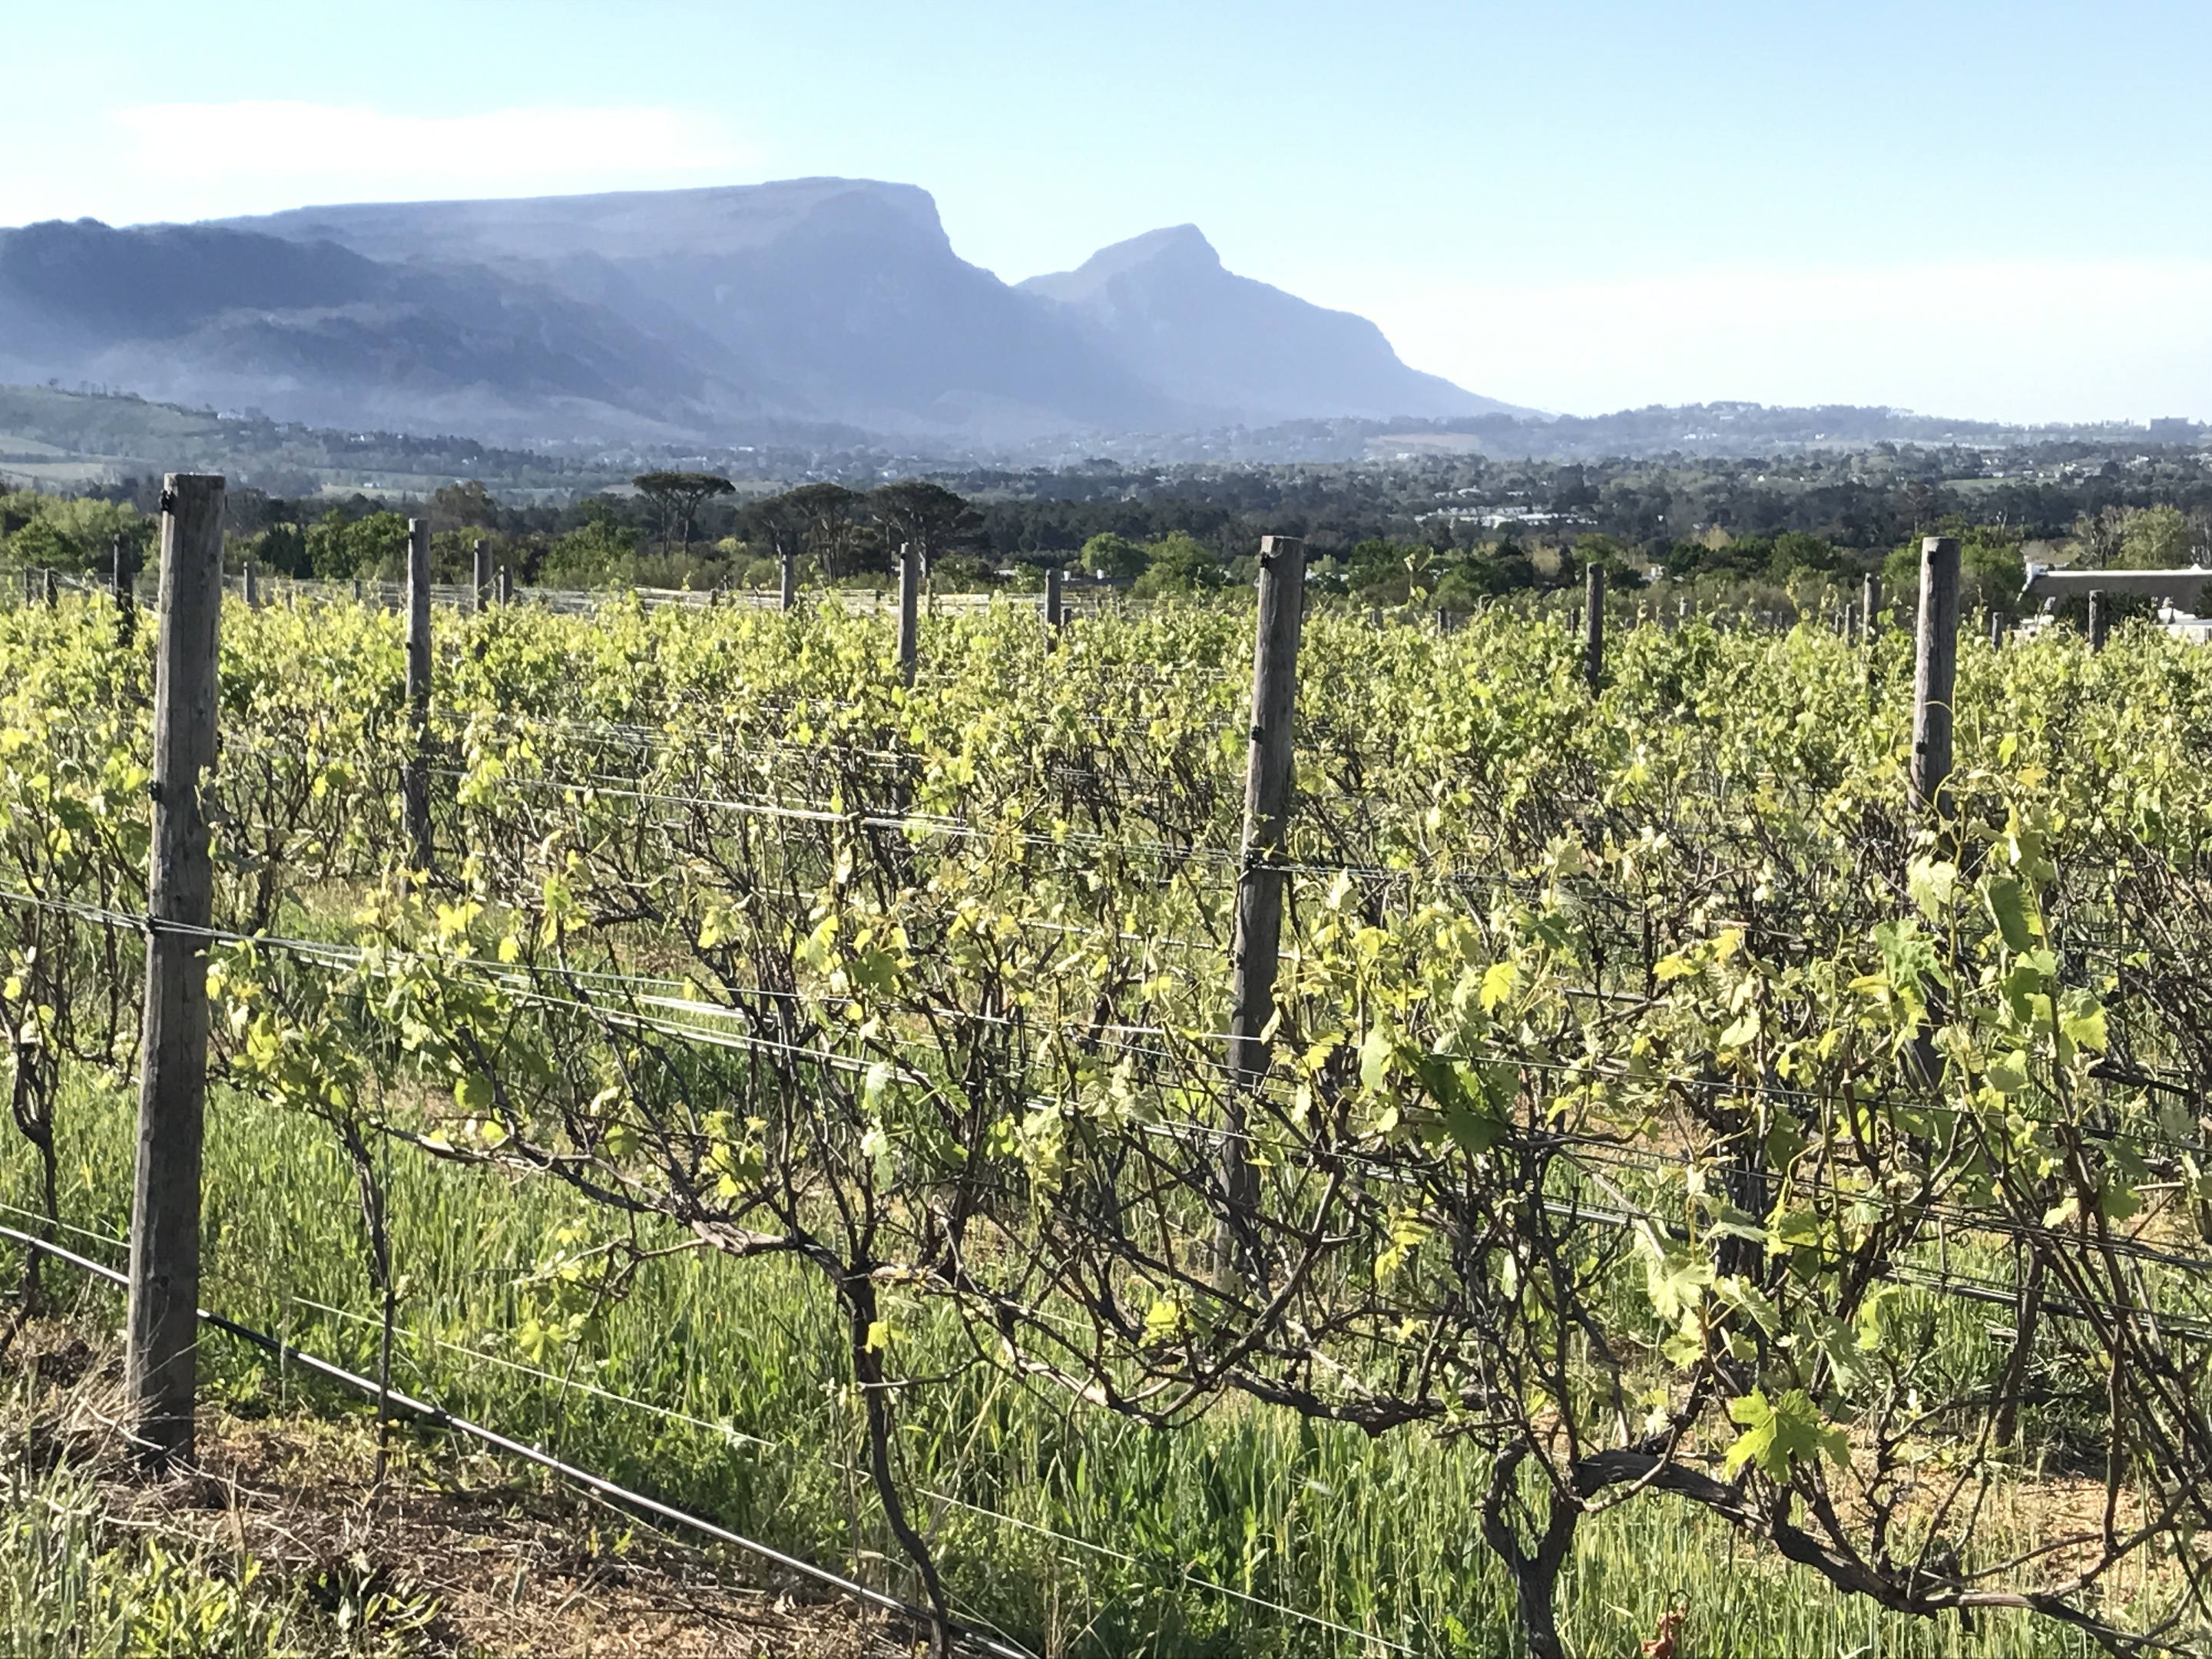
314,332
808,310
1164,306
843,296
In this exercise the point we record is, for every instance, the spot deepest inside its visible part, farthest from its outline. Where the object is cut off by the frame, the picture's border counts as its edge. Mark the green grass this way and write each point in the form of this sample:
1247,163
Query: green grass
1379,1536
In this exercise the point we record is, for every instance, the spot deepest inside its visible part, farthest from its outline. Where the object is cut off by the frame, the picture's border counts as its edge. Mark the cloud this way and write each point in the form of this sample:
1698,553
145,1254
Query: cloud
247,156
2020,340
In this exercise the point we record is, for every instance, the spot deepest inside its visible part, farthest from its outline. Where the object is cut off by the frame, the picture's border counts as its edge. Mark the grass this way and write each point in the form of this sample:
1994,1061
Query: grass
1371,1536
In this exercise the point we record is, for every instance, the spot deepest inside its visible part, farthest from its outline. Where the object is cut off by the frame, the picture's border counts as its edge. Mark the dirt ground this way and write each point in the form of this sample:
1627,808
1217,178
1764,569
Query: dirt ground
455,1553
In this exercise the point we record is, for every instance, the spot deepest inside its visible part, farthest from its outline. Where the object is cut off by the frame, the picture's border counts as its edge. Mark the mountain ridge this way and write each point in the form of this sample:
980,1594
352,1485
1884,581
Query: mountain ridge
716,314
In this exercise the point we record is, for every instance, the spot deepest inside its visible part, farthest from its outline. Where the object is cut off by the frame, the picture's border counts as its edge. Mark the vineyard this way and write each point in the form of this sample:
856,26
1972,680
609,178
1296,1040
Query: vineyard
843,1098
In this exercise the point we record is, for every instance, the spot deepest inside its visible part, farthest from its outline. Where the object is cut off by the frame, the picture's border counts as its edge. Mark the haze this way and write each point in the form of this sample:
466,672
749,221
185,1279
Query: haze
1982,210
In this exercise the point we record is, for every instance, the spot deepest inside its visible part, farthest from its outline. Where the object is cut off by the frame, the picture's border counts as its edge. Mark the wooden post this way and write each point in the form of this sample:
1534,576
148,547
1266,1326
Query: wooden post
1256,943
1997,630
49,588
1850,622
1594,626
30,585
415,784
1869,603
506,586
356,590
1054,615
788,562
479,573
160,1369
1935,672
250,584
909,592
2099,622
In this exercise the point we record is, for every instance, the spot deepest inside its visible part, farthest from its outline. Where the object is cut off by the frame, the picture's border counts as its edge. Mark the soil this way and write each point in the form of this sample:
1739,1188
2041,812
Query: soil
455,1553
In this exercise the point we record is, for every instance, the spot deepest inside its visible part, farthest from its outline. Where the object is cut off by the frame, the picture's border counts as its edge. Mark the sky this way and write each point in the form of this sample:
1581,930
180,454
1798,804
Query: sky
1965,208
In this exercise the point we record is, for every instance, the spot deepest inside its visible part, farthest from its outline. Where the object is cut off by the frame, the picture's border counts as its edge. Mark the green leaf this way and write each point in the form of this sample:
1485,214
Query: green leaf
1780,1435
1674,1275
1933,883
2007,903
2081,1021
1499,981
1376,1055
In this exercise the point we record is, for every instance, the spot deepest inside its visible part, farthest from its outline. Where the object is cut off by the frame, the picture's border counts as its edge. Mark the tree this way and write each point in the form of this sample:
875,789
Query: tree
464,505
1112,558
926,517
824,512
1179,564
2157,538
363,547
678,497
595,550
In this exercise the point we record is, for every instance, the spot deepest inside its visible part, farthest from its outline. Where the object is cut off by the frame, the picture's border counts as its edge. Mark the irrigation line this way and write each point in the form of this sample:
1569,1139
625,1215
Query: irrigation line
436,1416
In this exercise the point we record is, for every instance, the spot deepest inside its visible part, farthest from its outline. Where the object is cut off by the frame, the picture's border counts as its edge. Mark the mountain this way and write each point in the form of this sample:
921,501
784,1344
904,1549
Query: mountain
831,299
1167,309
813,310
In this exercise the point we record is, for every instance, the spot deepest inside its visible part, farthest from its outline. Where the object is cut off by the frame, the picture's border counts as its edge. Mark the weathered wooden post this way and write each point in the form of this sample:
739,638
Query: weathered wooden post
160,1370
909,624
788,563
30,585
2099,622
1682,612
1256,946
356,590
1997,630
415,779
506,585
49,588
250,585
1869,603
1936,670
1054,615
479,573
1851,627
1594,626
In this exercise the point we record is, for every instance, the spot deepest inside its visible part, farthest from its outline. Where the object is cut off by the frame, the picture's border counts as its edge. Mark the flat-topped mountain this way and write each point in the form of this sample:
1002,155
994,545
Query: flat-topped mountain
830,306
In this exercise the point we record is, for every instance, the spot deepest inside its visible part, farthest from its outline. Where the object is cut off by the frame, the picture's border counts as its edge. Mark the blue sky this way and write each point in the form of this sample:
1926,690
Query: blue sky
1962,208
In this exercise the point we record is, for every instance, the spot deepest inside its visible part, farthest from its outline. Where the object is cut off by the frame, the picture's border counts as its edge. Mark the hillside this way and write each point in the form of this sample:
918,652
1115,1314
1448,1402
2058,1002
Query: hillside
817,311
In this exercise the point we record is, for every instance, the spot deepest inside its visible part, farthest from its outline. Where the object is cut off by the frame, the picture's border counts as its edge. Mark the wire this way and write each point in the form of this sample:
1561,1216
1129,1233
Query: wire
438,1417
726,1432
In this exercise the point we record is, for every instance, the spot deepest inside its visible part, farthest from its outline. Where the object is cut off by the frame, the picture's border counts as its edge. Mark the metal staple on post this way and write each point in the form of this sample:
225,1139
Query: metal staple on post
160,1370
908,625
1594,626
415,785
1255,944
1936,670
